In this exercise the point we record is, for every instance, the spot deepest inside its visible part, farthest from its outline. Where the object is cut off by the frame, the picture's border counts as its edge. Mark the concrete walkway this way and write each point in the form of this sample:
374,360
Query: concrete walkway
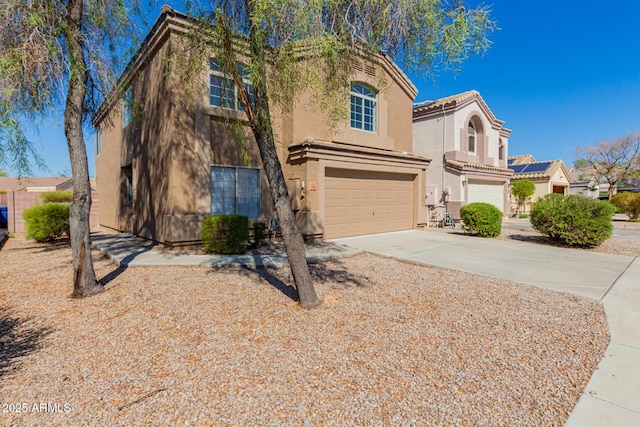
612,396
123,250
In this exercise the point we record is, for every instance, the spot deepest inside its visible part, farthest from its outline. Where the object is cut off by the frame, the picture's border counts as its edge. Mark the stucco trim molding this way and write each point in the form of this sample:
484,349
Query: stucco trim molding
315,149
463,167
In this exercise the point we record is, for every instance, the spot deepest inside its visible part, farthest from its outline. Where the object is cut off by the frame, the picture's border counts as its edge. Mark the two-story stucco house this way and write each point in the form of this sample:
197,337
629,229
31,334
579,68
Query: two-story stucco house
469,147
172,161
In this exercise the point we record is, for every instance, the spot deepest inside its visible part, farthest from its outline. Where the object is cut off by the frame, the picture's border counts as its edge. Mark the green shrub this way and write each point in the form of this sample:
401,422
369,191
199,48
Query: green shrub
46,222
628,204
483,219
57,196
575,220
225,234
524,216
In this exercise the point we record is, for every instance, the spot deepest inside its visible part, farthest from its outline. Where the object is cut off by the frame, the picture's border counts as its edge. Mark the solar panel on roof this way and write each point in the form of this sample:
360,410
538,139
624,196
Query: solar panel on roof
518,168
537,167
531,167
510,161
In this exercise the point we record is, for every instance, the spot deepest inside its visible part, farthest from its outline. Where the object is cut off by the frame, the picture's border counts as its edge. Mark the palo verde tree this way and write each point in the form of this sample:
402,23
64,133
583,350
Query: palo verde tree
612,161
61,54
285,42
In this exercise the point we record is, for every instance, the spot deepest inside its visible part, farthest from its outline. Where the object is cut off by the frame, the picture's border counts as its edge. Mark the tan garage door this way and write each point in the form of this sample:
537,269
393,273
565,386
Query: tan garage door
358,202
487,192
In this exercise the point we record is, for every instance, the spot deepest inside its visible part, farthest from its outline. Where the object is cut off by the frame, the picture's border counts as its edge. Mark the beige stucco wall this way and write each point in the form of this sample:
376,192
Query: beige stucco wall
393,127
177,136
108,174
159,151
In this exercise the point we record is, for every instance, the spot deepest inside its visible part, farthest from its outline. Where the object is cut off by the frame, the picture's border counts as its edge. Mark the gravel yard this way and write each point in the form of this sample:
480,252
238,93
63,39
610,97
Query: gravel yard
393,344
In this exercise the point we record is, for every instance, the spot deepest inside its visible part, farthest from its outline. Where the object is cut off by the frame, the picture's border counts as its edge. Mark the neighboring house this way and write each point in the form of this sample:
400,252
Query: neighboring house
469,147
550,176
172,160
39,184
583,182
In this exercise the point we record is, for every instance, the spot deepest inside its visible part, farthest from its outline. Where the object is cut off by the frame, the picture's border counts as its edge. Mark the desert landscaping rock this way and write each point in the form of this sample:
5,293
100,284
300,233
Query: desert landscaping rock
393,344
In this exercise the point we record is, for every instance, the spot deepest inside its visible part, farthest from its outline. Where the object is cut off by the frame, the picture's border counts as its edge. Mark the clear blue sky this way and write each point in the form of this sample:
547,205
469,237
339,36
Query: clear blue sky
561,74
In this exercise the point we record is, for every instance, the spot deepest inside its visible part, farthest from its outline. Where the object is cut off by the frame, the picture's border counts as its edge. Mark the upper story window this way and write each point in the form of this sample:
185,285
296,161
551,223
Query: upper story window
127,112
471,136
98,140
501,150
223,91
363,108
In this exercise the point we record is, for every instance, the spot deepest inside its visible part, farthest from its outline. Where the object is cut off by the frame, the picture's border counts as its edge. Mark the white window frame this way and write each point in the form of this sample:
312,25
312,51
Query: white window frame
472,137
221,204
227,88
363,106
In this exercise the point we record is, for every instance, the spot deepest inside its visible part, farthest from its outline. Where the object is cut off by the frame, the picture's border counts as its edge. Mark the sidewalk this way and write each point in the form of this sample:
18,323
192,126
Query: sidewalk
123,250
612,397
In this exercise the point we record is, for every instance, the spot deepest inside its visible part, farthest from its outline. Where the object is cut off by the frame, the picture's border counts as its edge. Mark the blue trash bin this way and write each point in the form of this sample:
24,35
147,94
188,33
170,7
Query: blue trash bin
4,217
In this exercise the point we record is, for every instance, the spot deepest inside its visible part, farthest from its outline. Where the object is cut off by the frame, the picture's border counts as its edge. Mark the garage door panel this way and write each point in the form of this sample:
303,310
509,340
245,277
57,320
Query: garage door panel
362,202
486,192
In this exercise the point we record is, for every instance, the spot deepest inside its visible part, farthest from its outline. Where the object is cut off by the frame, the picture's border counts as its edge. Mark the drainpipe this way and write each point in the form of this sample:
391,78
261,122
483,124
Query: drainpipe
444,130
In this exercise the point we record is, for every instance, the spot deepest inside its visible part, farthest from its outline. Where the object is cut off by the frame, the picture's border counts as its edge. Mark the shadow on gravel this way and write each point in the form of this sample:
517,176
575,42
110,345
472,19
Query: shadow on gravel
17,339
335,272
331,273
112,276
266,274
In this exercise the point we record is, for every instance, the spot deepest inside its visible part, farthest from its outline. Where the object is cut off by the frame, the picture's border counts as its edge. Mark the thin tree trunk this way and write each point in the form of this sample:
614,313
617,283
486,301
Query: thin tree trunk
263,132
84,277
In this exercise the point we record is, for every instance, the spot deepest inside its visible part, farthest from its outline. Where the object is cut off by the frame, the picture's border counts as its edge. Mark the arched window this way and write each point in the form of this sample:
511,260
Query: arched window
471,136
363,107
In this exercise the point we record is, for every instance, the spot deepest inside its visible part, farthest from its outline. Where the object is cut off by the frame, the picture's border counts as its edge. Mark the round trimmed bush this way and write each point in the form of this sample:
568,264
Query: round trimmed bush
575,220
483,219
225,234
628,204
45,223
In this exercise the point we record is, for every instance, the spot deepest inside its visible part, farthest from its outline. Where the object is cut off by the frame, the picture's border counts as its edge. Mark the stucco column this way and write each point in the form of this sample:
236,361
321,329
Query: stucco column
203,160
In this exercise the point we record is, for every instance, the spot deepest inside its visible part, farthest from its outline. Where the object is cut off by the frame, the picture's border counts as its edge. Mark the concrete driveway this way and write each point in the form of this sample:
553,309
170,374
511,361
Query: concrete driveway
584,273
611,397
